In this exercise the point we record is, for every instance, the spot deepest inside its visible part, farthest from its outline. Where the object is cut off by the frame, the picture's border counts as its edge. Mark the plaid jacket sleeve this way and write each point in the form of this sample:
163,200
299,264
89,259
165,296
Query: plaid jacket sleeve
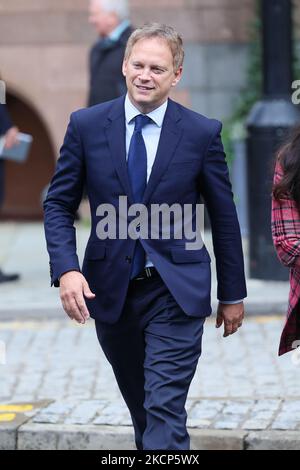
286,227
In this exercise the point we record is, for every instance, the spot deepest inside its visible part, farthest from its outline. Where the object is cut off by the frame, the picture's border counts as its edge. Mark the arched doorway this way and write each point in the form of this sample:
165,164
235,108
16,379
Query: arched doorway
25,182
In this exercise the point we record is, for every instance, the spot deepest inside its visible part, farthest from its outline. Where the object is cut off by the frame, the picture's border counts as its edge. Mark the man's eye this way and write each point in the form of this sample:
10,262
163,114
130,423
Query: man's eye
137,66
157,70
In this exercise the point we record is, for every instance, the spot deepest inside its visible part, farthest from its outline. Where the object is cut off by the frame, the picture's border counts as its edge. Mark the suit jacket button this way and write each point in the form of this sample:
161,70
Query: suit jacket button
128,259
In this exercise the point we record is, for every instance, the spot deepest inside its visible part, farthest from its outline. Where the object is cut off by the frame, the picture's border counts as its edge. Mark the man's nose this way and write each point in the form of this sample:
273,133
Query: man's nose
145,74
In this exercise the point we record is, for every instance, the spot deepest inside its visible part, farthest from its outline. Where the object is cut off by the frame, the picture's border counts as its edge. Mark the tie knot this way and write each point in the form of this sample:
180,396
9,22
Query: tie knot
140,121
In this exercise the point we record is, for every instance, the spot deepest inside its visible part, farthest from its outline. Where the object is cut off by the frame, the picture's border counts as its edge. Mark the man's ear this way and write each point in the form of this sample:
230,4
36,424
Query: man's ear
178,75
124,67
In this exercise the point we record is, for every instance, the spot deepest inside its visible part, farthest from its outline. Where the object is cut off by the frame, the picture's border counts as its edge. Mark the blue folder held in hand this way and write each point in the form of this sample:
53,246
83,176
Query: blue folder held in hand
18,152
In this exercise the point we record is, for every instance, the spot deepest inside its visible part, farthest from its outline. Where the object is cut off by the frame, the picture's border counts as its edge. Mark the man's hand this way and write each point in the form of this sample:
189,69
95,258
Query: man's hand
232,315
11,137
73,288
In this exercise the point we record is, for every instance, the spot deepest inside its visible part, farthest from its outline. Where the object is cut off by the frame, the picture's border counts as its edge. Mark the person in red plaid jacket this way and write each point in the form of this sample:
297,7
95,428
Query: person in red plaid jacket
286,232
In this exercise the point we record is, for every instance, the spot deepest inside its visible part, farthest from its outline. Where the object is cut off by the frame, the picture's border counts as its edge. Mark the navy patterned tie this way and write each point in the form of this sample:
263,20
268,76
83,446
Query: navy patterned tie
137,171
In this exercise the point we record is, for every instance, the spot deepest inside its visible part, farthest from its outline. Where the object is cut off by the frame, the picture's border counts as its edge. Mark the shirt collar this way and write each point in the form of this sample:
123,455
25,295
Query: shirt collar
157,115
119,30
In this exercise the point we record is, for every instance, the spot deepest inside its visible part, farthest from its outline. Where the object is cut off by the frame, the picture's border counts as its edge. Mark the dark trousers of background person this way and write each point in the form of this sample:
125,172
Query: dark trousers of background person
153,350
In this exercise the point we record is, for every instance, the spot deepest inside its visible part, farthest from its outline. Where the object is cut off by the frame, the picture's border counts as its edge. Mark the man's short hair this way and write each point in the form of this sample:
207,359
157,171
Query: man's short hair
120,7
157,30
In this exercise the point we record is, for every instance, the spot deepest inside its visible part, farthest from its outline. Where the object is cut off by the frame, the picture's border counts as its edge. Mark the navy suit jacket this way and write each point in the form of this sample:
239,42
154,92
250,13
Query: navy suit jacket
5,124
189,164
106,78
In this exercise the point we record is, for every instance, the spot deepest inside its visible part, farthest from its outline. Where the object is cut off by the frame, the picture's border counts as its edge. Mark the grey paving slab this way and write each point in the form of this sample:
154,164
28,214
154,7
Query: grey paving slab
242,395
74,437
60,359
273,440
12,417
211,439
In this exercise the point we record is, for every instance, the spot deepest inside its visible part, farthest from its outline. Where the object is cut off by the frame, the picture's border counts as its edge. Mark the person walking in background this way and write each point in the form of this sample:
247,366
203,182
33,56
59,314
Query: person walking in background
150,295
10,134
110,19
285,223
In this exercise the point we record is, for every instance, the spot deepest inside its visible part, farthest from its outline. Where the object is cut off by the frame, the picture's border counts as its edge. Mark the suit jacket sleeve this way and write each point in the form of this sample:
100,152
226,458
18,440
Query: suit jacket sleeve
61,204
5,121
215,187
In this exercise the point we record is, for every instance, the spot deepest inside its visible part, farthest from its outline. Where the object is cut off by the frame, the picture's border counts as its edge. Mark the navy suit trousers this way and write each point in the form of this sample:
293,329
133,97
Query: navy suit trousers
154,350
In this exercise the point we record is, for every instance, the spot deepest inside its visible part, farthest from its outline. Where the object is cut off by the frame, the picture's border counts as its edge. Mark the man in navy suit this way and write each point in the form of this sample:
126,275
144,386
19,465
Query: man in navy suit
10,134
149,296
110,19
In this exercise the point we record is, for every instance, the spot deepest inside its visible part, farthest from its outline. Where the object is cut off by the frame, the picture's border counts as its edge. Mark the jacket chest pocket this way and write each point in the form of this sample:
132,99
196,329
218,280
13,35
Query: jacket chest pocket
184,168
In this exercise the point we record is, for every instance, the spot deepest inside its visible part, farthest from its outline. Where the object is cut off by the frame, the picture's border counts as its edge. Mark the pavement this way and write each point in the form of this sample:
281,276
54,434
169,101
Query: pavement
58,391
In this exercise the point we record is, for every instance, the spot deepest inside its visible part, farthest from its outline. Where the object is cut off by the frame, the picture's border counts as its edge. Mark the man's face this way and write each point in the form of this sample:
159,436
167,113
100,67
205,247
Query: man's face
103,21
150,73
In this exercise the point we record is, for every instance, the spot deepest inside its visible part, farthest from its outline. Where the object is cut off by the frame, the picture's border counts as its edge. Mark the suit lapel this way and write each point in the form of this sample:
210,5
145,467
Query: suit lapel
169,139
116,137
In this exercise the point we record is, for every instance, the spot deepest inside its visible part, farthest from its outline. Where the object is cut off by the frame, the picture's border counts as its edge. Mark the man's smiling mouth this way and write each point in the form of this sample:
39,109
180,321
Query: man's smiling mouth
141,87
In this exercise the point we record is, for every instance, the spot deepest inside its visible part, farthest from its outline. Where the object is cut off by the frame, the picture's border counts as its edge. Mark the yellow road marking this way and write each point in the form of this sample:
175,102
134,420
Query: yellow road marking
16,408
7,417
266,318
